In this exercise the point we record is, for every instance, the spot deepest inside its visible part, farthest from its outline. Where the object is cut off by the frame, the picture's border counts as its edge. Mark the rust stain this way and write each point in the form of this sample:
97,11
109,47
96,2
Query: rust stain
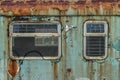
55,71
13,68
25,7
69,70
100,72
90,70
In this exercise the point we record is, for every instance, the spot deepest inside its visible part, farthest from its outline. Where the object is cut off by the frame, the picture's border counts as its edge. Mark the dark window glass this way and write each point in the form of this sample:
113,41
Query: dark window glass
35,47
95,28
35,28
95,46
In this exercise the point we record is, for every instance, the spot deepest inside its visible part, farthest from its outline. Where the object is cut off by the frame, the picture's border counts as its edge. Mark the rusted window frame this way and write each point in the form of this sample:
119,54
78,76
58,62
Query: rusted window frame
105,34
34,34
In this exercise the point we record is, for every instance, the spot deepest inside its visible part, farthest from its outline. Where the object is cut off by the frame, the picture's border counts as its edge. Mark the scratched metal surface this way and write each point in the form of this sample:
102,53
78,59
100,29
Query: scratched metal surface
72,65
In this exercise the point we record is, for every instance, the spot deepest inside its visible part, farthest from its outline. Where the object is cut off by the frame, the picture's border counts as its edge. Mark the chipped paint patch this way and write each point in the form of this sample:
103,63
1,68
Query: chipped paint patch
13,68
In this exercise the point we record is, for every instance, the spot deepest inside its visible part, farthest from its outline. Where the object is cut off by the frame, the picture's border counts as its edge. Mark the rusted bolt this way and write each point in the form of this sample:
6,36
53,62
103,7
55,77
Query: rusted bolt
69,70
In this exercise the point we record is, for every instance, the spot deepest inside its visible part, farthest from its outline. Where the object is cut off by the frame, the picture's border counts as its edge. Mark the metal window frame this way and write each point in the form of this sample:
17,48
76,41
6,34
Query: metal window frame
105,34
35,35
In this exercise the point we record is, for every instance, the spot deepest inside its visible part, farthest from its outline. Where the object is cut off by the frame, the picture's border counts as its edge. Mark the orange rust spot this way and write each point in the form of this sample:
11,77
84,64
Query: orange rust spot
60,7
106,6
13,68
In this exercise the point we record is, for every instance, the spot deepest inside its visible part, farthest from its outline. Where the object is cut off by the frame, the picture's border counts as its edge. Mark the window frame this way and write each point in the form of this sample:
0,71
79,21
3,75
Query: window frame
105,34
12,35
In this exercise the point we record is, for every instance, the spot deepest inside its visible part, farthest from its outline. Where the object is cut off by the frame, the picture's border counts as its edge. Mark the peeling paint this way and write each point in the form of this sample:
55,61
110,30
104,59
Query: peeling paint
25,7
13,68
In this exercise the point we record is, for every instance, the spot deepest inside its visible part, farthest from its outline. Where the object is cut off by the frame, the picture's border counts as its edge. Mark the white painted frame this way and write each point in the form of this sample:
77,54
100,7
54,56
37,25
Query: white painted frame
105,34
34,35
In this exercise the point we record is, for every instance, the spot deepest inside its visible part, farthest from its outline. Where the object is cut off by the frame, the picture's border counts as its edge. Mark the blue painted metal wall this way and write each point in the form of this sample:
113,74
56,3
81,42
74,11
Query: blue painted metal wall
72,65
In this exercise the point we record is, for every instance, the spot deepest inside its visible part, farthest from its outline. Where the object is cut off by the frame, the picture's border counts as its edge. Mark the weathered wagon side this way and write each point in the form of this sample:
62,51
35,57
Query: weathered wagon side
73,61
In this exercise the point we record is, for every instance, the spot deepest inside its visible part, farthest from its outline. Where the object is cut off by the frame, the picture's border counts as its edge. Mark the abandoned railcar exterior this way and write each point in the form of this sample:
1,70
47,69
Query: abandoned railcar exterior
60,40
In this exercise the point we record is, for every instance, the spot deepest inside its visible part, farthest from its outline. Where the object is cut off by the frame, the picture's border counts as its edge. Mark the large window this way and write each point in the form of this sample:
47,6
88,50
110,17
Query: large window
95,39
30,40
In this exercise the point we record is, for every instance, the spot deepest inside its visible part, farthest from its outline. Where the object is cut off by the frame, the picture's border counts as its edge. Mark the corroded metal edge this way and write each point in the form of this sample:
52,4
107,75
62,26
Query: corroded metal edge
41,7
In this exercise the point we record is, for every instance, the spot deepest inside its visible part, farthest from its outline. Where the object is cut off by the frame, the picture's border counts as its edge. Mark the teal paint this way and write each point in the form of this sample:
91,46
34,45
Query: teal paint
35,70
2,49
74,67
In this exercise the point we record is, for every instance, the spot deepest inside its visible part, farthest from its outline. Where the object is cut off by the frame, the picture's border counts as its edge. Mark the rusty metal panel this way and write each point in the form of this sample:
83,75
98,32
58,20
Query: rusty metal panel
41,7
72,65
92,70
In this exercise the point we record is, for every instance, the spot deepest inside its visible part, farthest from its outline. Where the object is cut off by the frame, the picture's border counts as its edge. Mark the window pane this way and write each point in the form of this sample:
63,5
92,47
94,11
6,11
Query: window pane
46,41
35,28
95,28
95,46
34,47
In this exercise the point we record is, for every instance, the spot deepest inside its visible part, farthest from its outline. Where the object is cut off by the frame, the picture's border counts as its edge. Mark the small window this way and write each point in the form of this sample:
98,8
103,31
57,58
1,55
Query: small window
95,39
35,40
